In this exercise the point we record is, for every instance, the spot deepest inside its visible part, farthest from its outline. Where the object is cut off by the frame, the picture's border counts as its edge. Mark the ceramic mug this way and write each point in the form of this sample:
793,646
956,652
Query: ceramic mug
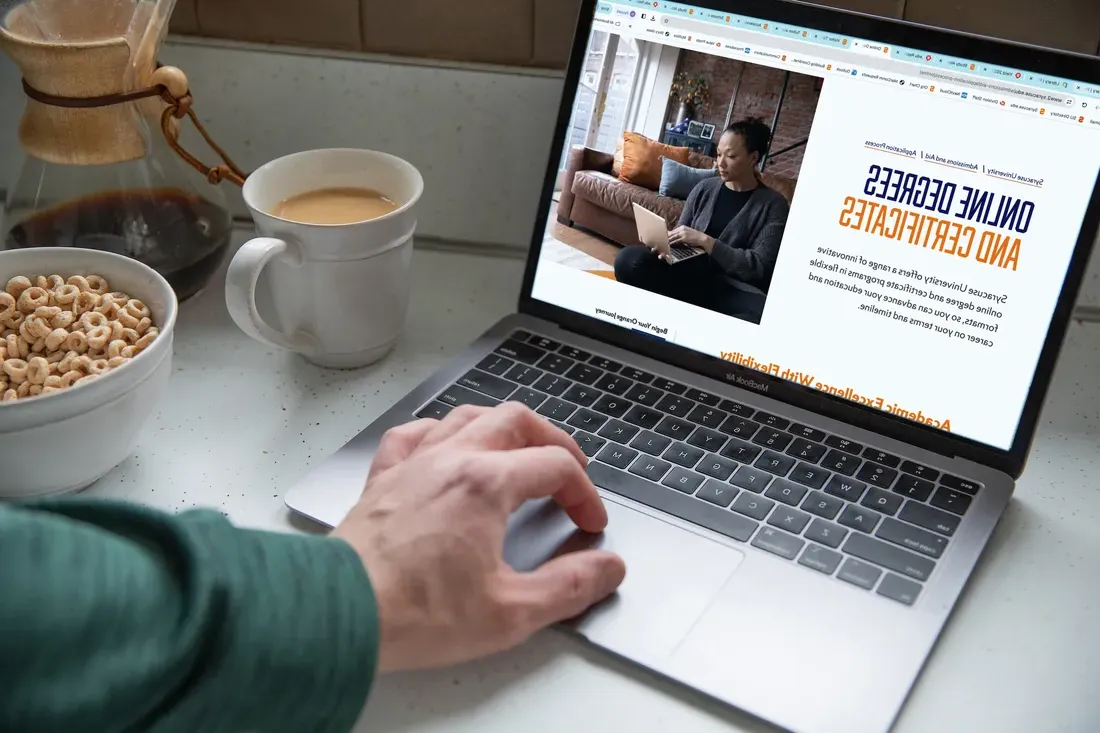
339,293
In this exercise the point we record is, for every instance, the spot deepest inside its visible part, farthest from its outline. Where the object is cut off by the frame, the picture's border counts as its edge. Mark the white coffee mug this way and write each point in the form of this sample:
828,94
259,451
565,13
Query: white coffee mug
340,293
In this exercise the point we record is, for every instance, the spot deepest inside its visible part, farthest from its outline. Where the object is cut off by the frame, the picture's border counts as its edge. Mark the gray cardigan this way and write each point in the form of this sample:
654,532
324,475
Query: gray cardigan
748,247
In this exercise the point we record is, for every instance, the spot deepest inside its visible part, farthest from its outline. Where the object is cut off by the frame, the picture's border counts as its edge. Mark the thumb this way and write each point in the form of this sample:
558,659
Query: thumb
568,585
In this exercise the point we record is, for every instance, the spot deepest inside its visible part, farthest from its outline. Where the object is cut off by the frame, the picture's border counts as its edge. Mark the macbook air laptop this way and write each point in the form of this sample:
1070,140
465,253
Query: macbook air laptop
800,502
653,231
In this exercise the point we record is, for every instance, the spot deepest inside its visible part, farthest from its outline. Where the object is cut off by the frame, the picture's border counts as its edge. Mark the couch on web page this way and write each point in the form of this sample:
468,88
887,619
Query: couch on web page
898,245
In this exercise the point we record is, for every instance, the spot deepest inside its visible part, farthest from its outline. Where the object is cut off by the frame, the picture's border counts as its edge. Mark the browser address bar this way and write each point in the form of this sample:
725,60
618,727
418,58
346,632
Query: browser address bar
970,81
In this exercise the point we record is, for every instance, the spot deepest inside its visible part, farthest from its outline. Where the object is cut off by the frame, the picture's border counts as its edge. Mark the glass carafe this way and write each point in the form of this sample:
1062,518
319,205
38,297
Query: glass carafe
105,177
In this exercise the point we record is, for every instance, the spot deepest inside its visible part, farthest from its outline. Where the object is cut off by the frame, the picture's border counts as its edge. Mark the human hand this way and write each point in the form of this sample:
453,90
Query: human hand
688,237
430,529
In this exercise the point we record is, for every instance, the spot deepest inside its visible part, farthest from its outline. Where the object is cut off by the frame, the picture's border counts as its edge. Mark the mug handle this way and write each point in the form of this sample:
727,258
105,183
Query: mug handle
240,292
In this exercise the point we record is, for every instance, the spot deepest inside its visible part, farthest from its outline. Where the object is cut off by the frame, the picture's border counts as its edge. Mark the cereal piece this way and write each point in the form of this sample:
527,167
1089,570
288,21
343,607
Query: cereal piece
117,361
130,336
97,284
143,325
50,390
116,330
7,306
80,281
114,349
85,302
77,341
3,383
99,366
37,370
15,320
17,285
16,369
65,364
63,320
32,298
53,381
9,396
48,312
54,283
83,381
35,390
130,352
108,308
39,346
56,339
66,294
127,320
98,337
55,356
35,328
146,341
138,309
68,379
23,389
18,347
94,320
82,363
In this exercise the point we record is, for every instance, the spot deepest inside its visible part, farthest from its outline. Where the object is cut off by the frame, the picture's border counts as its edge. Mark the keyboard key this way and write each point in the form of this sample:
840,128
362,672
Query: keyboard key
434,411
555,363
820,559
675,428
611,405
617,456
521,335
650,468
912,538
637,375
686,481
808,475
717,493
826,533
774,439
775,463
687,508
669,386
914,488
574,353
557,409
581,395
878,456
739,427
740,451
882,501
925,516
889,556
751,479
529,397
651,443
717,467
567,429
456,396
805,431
877,475
709,416
823,505
485,383
950,500
736,408
859,518
786,492
708,440
960,484
803,449
495,364
772,421
590,444
924,472
553,385
614,383
586,419
673,405
778,543
643,417
859,573
644,395
706,398
683,455
899,589
843,444
584,374
525,375
520,352
845,488
843,463
618,431
789,519
606,364
544,343
753,506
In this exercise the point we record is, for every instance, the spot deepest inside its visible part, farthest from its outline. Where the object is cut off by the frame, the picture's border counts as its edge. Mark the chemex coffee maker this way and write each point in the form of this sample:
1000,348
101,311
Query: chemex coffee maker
104,167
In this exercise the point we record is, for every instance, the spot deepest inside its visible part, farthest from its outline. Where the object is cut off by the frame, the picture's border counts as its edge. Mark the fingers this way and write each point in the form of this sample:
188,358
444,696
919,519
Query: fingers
565,587
457,419
399,443
511,426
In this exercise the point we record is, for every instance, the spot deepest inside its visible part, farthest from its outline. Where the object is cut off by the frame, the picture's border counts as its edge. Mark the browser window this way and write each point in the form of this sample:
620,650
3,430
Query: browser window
882,224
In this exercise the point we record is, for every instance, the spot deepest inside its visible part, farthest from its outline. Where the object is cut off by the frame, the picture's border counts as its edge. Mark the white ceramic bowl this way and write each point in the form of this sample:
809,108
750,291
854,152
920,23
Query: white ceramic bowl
65,441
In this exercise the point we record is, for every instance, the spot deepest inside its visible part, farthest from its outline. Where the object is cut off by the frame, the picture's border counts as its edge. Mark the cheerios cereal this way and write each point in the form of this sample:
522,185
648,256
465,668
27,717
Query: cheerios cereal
58,333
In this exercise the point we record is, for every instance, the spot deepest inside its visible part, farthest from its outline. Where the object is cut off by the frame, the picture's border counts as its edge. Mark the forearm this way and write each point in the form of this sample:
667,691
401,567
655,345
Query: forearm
120,618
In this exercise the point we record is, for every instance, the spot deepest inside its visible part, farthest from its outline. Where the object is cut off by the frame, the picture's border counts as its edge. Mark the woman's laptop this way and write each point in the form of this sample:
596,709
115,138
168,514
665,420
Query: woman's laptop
653,232
799,502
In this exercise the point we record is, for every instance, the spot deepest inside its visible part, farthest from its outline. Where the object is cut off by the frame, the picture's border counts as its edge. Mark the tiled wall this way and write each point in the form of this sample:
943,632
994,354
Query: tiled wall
539,32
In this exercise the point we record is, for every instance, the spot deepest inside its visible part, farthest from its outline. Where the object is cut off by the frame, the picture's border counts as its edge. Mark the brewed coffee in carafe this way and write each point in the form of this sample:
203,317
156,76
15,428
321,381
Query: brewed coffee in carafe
100,170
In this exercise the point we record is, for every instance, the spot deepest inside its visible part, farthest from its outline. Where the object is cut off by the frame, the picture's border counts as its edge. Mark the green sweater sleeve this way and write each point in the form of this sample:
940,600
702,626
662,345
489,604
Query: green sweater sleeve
118,618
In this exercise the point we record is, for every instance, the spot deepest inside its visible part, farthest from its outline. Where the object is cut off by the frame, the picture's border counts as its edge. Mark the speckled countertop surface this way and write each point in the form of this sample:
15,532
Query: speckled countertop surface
243,422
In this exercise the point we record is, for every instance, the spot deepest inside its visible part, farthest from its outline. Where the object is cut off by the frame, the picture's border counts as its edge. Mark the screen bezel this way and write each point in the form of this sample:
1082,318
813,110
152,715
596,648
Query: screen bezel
1077,67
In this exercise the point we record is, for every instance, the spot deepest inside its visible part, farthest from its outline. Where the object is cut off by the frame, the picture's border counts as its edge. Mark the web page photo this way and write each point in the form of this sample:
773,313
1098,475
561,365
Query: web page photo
858,219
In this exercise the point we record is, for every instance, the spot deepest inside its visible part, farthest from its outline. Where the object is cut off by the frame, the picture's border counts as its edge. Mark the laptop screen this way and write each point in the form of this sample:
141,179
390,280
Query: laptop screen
885,225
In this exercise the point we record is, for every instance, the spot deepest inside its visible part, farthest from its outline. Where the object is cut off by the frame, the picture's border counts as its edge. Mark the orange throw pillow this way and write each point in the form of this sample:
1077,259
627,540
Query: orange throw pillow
617,164
642,160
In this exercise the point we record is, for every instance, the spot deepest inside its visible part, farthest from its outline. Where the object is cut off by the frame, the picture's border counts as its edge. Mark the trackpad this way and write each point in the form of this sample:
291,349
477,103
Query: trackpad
672,575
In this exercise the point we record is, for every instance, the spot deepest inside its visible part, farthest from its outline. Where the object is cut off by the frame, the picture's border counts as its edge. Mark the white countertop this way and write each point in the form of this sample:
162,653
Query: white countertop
242,422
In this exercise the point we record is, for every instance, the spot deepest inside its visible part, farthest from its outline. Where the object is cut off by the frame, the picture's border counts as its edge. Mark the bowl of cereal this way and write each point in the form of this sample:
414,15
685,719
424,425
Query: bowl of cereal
85,356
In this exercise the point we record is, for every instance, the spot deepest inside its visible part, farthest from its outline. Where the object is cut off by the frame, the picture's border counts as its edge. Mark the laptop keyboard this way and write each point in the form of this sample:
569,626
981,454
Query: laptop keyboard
834,506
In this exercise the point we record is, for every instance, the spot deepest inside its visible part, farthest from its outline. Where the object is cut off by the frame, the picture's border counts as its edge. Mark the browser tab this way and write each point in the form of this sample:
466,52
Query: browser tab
910,55
870,48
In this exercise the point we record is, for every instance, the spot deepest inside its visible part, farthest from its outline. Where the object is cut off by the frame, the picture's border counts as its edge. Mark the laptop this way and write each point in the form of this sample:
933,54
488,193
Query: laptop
800,502
653,231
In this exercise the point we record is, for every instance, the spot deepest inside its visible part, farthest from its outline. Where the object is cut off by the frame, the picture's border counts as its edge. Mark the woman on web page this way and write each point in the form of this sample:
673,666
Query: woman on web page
735,219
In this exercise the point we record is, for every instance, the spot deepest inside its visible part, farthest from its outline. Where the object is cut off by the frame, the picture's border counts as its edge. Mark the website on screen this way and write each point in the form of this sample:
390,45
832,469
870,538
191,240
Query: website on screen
878,223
